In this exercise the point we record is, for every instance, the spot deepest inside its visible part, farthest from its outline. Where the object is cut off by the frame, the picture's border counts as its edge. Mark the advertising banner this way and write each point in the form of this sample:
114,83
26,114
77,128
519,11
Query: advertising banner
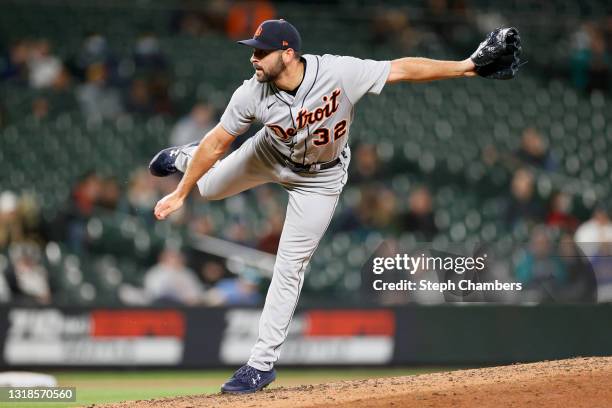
215,337
319,337
94,337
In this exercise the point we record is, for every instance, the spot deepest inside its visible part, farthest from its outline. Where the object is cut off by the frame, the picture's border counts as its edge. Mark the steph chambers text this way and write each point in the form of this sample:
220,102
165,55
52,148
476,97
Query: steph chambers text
464,284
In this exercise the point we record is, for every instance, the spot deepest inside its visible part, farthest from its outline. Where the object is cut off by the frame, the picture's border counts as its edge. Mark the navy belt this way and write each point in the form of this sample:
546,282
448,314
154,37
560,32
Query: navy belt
312,168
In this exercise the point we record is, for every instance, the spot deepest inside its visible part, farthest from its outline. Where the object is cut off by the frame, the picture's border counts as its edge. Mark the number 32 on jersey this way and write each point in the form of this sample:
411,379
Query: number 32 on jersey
325,135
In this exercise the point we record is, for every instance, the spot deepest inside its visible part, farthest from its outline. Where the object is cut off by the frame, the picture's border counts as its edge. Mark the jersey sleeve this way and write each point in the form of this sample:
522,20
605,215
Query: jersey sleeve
361,76
240,112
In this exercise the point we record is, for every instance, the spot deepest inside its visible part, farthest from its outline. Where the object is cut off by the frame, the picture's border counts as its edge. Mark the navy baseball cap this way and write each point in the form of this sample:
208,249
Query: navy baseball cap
275,35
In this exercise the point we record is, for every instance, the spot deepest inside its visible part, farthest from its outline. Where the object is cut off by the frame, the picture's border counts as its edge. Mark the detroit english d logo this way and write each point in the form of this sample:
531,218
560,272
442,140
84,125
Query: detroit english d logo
258,31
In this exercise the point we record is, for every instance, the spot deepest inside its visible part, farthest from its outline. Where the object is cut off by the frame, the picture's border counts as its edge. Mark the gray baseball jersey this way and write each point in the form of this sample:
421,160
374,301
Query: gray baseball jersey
310,127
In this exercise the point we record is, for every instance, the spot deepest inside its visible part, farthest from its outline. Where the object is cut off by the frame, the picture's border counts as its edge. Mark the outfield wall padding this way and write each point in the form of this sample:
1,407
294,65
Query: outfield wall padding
216,337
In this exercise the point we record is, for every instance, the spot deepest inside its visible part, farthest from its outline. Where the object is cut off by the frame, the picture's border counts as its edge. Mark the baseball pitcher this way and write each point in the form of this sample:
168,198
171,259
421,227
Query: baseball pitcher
306,104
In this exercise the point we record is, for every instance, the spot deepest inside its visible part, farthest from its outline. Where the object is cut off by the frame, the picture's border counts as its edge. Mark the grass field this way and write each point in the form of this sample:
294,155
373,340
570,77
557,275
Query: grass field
113,386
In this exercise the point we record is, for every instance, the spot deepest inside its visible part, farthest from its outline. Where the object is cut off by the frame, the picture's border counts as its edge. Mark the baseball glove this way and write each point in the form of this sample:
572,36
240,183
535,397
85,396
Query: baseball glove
498,56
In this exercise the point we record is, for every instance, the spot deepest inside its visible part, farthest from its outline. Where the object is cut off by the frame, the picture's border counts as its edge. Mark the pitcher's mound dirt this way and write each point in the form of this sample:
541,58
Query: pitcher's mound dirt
579,382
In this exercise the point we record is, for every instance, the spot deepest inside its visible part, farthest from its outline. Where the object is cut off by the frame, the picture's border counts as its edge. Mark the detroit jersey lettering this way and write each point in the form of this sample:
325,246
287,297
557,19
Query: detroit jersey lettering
312,126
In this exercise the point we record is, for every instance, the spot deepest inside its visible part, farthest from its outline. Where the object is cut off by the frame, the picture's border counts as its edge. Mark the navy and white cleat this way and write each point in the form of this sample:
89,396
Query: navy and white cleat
248,379
163,164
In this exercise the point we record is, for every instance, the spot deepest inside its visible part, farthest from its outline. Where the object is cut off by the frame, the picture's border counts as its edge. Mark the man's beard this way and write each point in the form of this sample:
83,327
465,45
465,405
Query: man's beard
274,72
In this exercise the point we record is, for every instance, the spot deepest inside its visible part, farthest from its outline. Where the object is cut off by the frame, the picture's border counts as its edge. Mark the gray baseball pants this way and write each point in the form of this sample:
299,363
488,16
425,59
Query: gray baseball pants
312,200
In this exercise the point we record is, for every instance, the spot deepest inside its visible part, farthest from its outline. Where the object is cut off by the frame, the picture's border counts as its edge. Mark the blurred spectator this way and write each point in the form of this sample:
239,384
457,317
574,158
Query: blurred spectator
139,99
489,155
96,98
522,206
62,81
600,62
392,26
94,50
366,165
159,87
559,212
11,226
384,214
148,56
171,281
40,108
149,92
452,22
13,66
211,272
579,62
28,278
202,225
19,218
270,238
540,269
208,17
29,210
534,151
85,196
359,218
245,16
62,97
242,290
193,127
590,61
420,216
596,231
110,195
188,22
142,194
43,67
238,231
268,199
